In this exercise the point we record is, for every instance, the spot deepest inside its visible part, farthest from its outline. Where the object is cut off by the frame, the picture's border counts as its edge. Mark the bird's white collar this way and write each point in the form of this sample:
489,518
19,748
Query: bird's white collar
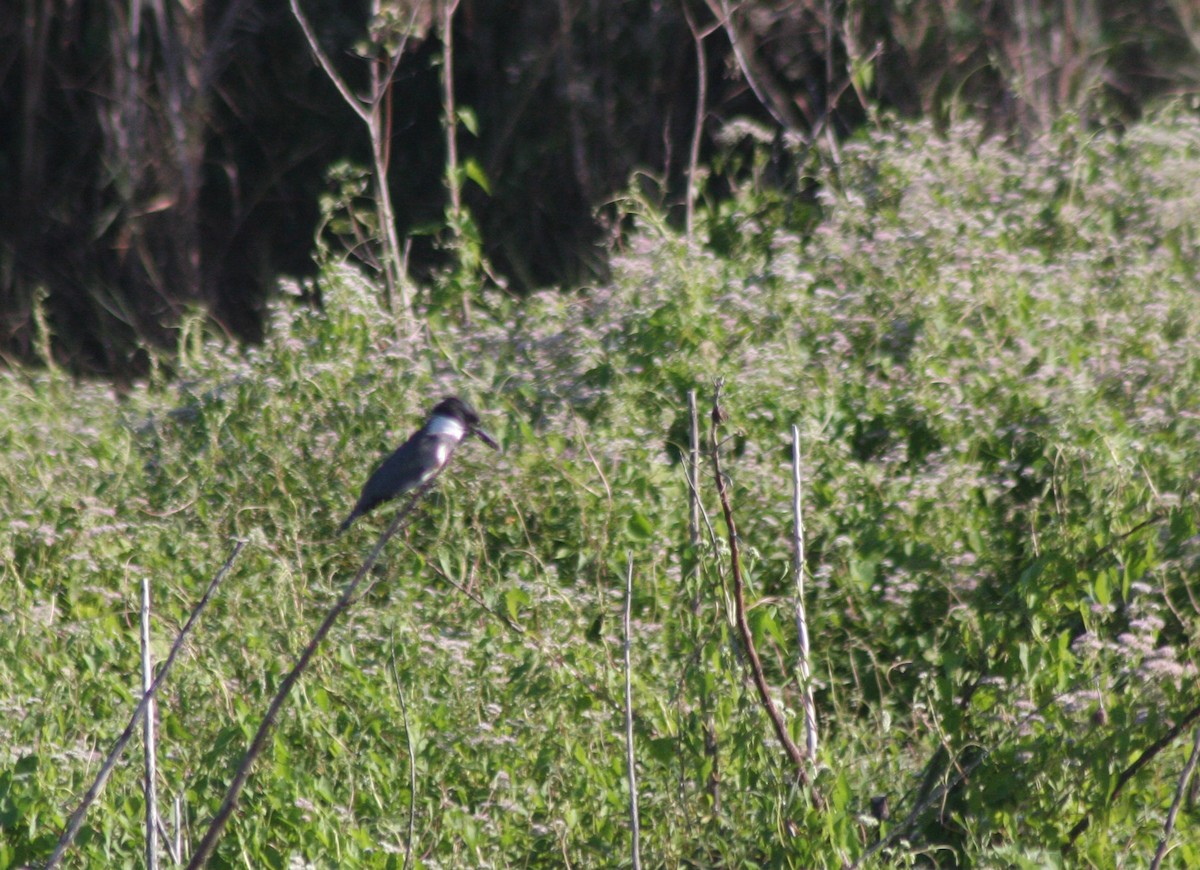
447,427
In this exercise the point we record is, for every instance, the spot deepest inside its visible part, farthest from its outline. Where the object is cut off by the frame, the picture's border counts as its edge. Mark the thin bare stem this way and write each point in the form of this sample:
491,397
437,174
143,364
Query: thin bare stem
806,694
448,8
1137,764
698,37
498,615
394,279
1180,791
75,822
739,599
209,841
630,761
693,474
151,766
361,109
412,762
174,838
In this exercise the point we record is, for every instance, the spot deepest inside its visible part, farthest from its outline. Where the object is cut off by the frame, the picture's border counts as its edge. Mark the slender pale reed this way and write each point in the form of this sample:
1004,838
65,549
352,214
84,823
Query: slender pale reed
810,708
630,761
151,764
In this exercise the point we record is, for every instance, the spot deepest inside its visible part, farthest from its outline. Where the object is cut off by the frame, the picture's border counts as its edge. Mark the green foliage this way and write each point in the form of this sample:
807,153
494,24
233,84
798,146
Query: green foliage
993,362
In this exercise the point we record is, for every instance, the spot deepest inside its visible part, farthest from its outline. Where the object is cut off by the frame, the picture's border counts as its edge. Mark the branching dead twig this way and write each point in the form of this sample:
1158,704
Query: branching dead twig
743,626
1138,763
1180,791
373,112
936,795
209,841
75,822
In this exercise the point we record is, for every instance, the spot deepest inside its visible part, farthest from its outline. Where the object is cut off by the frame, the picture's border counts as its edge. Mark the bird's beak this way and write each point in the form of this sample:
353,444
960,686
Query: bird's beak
485,438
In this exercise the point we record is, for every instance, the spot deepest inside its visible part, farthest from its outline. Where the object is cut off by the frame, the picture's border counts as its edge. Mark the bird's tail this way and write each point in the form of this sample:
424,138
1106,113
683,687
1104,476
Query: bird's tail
354,514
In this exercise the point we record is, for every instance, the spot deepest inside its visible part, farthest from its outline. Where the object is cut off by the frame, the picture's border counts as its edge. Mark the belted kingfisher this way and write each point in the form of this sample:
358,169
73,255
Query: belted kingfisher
421,456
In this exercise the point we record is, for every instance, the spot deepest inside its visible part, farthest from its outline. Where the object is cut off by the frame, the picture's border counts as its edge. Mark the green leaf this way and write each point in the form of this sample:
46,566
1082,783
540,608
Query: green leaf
475,172
468,118
639,527
1102,588
762,622
514,599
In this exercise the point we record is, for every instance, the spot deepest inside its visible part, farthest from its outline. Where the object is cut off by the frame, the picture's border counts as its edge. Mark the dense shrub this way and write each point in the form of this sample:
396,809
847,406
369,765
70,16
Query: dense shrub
992,359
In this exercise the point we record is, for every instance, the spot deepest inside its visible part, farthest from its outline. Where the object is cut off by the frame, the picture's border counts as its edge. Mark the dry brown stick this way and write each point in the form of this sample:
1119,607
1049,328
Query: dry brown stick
739,599
209,841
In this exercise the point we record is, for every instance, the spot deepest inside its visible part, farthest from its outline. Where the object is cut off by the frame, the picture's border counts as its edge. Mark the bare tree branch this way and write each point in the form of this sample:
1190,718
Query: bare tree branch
209,841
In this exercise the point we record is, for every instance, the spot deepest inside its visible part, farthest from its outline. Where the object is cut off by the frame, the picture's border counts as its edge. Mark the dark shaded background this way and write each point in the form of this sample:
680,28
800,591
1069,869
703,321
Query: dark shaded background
175,161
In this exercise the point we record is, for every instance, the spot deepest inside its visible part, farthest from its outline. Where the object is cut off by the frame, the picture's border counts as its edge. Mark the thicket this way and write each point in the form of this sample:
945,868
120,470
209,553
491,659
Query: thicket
992,361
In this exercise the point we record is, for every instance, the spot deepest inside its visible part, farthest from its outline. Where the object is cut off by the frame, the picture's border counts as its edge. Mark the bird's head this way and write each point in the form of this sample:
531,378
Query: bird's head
456,408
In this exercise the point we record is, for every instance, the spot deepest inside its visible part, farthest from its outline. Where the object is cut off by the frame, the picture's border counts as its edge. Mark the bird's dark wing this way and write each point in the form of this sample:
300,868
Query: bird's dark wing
413,463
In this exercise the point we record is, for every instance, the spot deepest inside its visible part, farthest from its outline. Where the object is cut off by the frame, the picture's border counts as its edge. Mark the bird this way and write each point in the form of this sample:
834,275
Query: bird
422,456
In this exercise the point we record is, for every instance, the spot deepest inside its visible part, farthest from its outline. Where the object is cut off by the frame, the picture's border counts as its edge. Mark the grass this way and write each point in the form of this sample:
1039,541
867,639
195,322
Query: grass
993,360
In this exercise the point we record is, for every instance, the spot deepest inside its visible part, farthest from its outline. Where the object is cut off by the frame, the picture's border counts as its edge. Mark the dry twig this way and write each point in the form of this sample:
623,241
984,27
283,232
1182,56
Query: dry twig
209,841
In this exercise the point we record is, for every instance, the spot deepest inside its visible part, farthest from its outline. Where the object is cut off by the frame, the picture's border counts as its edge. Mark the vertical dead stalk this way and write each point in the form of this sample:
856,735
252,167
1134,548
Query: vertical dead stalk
209,841
175,841
739,598
75,822
630,761
1180,791
454,179
806,694
148,736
